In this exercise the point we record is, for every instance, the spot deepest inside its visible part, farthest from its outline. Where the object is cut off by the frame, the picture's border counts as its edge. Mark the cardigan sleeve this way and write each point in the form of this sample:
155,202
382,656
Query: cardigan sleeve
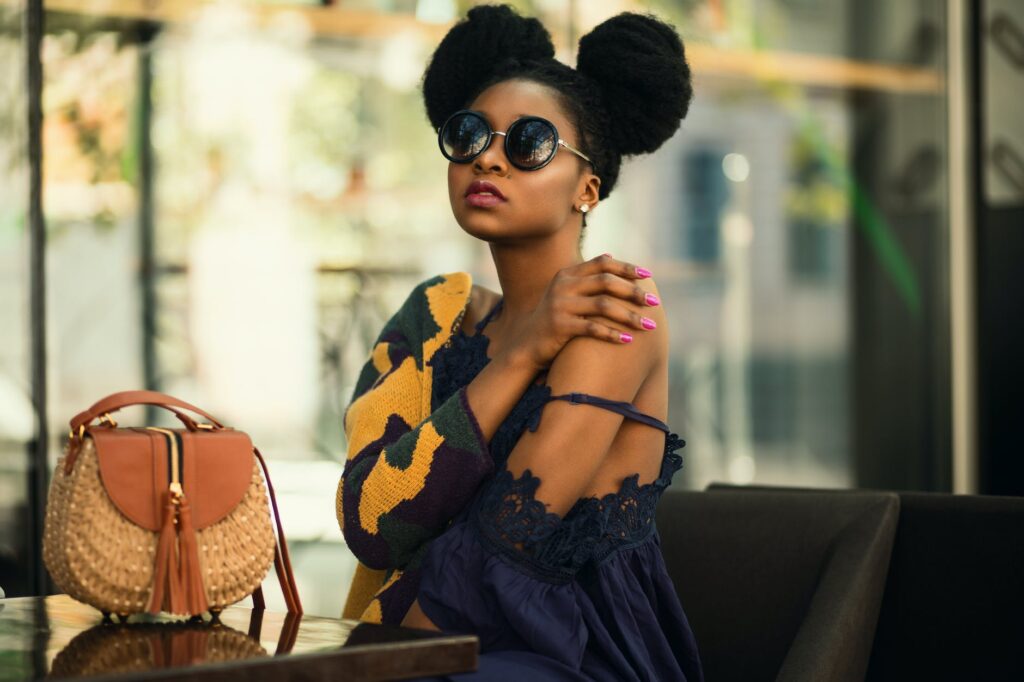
405,478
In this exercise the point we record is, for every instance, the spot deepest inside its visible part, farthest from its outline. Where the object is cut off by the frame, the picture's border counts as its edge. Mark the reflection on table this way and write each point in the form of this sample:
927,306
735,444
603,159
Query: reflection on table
57,636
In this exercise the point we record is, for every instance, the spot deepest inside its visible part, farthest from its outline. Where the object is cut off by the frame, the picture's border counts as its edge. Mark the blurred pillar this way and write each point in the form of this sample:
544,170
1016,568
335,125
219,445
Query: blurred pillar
962,289
147,245
902,397
39,446
998,135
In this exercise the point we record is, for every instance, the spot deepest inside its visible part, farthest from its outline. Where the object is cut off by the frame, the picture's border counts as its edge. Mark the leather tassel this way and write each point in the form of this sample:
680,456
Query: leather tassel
175,592
164,563
191,576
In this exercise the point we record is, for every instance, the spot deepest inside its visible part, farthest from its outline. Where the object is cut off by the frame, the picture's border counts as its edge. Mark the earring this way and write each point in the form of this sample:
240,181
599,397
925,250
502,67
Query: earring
583,209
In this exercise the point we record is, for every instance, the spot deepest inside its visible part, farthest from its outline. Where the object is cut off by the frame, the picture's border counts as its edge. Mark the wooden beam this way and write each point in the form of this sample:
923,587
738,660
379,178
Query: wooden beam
707,62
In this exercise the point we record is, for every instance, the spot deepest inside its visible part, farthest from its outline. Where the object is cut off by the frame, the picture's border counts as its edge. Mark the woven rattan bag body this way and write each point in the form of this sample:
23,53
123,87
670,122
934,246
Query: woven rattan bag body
147,519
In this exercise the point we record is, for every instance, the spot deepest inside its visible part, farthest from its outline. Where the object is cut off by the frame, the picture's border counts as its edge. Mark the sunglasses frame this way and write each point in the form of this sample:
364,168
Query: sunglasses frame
491,132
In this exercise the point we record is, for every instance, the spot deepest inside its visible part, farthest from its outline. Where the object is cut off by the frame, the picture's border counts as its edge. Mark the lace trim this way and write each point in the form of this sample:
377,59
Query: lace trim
510,521
515,525
453,372
464,357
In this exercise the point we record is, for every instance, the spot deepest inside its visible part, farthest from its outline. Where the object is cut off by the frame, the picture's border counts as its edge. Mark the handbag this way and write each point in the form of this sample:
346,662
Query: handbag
150,519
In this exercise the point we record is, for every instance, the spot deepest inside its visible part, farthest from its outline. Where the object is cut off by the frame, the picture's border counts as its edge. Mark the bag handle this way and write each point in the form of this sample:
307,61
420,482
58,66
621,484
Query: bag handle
116,401
282,561
76,439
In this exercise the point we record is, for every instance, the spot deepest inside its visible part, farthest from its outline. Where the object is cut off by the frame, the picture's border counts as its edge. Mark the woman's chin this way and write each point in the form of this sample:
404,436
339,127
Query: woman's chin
491,226
486,227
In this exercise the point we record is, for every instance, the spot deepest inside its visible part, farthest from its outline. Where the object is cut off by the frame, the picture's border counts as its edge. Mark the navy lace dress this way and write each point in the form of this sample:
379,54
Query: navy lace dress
580,597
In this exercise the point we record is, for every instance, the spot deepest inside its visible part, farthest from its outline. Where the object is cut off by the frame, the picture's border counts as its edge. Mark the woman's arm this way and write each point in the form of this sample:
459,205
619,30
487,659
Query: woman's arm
571,443
405,478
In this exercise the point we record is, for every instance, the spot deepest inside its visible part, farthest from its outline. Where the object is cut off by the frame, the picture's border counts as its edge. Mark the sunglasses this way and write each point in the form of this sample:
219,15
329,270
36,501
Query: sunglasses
530,142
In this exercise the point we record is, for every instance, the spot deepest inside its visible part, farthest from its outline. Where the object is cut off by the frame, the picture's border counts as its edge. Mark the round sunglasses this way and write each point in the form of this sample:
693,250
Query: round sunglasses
530,142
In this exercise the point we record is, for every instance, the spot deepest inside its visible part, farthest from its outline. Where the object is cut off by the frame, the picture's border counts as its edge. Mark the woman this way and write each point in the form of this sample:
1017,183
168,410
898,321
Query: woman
467,511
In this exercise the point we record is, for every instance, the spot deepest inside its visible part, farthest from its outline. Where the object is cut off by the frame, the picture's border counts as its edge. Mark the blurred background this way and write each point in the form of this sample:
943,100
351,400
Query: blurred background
225,200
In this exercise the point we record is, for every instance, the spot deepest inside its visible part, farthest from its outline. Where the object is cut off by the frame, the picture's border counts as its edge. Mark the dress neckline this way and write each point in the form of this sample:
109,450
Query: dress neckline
478,335
485,320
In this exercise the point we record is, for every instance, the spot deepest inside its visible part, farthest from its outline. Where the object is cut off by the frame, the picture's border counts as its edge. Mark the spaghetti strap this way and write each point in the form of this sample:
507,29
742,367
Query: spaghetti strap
487,318
623,408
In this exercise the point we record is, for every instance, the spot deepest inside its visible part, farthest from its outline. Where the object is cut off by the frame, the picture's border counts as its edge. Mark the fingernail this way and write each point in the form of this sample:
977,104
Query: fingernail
652,299
626,338
648,323
643,272
607,254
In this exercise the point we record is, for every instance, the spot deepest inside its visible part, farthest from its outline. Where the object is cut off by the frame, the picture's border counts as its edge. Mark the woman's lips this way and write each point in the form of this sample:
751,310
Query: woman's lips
483,194
482,199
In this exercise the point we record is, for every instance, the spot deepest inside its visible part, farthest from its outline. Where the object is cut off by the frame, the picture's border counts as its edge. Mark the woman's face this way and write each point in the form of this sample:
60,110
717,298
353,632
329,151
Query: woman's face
536,203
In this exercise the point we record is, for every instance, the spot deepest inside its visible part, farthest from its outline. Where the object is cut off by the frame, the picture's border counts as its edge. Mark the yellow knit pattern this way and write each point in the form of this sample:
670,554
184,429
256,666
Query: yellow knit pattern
406,392
391,396
397,485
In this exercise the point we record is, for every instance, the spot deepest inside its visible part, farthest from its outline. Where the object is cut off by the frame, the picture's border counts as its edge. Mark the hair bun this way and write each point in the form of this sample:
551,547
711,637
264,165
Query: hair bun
647,101
473,49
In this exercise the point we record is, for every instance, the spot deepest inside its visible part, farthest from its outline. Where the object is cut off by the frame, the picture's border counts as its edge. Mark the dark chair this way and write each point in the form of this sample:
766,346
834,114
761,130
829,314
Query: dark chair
779,586
953,607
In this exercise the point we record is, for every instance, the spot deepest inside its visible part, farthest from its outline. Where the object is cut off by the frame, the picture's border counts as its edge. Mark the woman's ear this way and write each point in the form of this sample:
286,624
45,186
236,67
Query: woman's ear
591,191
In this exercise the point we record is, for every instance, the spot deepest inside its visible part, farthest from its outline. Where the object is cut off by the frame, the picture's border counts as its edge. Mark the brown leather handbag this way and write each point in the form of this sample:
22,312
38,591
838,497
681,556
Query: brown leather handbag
149,519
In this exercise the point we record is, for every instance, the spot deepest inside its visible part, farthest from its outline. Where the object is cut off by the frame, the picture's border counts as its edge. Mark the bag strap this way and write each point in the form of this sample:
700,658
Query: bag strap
285,639
116,401
282,560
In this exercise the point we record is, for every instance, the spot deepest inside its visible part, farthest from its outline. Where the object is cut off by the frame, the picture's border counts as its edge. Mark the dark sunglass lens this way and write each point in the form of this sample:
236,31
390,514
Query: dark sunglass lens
464,136
531,143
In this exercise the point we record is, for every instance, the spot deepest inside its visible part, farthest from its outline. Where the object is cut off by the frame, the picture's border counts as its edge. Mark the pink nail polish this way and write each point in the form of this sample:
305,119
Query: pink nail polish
626,338
648,323
643,273
652,299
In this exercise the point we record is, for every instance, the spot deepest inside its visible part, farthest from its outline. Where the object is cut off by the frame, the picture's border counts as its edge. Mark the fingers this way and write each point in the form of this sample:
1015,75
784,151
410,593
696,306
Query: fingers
611,308
606,263
598,288
585,327
614,285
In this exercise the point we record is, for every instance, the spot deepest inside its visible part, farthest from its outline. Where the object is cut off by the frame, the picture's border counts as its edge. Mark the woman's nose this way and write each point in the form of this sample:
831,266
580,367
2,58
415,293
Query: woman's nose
492,158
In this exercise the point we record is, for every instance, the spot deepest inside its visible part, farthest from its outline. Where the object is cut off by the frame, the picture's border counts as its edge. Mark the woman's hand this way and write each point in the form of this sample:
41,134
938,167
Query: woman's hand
596,287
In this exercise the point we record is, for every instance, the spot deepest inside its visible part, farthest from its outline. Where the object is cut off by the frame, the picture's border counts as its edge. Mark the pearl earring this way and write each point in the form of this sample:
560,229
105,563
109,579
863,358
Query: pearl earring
583,209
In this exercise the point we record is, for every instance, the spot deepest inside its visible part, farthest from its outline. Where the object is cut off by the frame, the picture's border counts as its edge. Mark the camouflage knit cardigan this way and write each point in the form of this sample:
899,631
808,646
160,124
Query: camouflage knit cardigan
409,470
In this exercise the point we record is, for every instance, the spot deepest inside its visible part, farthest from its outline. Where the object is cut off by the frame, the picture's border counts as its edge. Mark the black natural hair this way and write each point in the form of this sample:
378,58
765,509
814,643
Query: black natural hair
629,92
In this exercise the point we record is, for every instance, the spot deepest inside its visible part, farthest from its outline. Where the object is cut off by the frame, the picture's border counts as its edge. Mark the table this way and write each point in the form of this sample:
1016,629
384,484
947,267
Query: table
56,636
